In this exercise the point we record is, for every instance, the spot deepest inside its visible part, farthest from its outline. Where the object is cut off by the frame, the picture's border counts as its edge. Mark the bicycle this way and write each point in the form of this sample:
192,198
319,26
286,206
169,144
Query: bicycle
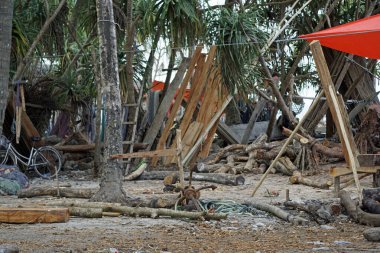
45,161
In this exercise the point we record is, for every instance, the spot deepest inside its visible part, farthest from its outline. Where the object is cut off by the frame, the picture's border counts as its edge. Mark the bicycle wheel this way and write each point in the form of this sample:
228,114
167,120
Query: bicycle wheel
46,162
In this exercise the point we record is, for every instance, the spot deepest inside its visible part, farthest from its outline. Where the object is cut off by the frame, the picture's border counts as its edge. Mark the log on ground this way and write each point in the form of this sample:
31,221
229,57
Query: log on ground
356,213
321,212
86,212
157,212
153,201
278,212
208,177
297,178
60,192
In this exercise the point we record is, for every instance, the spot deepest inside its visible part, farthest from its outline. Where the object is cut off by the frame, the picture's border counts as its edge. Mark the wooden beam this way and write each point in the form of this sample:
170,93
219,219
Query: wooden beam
34,215
345,135
146,154
342,171
76,148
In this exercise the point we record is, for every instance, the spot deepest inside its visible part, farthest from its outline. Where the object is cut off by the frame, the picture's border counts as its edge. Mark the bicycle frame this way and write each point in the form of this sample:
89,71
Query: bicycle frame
27,161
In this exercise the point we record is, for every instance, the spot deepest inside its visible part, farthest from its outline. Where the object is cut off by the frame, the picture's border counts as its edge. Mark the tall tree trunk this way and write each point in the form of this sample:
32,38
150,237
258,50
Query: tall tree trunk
98,122
147,78
6,16
111,180
131,99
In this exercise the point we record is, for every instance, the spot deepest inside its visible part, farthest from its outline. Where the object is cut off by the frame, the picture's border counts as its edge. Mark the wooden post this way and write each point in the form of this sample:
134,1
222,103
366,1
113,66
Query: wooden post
179,159
337,112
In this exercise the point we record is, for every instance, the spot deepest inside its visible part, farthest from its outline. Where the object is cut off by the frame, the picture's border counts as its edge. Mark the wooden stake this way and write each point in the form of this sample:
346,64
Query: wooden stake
311,108
179,159
22,96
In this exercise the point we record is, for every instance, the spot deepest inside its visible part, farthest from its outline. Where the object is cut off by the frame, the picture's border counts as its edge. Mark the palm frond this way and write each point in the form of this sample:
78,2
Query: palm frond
236,33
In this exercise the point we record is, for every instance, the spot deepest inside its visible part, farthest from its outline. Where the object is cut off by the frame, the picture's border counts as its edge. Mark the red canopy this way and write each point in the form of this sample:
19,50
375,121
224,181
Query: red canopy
361,37
159,86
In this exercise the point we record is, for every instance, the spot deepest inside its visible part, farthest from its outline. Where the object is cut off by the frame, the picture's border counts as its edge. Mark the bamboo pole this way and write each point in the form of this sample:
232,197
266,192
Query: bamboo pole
311,108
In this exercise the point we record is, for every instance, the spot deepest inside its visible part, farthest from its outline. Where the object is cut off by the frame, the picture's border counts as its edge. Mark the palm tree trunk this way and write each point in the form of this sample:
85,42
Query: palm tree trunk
129,67
149,65
6,16
98,122
111,180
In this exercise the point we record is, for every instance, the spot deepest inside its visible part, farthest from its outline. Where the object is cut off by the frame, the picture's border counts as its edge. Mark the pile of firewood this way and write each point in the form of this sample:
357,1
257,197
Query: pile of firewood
303,155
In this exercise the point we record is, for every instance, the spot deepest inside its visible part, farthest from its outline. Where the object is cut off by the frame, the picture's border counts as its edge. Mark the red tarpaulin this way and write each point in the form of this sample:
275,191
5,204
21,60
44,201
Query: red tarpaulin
361,37
159,86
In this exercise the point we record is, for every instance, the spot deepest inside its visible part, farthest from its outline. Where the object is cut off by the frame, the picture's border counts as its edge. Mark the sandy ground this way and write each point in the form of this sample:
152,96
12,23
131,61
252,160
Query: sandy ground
238,233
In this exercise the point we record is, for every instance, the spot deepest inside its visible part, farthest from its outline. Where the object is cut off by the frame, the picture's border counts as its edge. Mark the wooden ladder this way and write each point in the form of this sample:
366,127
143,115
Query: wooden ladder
133,123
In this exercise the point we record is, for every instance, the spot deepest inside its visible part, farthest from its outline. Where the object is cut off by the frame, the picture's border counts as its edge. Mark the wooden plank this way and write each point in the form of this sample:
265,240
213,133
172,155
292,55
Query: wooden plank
210,99
341,171
336,110
206,146
220,96
152,132
146,154
34,215
206,131
181,92
194,99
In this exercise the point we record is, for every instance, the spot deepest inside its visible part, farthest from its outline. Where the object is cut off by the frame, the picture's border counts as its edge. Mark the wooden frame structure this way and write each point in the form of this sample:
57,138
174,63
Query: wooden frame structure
340,118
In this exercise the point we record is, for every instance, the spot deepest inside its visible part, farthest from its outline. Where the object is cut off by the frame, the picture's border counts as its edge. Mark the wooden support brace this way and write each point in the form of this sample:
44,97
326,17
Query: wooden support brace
337,111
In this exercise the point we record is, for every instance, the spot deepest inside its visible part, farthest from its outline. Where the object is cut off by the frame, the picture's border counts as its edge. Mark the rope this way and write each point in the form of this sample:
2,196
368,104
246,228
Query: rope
229,206
364,68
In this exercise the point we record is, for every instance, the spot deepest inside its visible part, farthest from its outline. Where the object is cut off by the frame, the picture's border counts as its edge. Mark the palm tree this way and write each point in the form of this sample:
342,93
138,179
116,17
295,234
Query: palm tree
6,17
111,180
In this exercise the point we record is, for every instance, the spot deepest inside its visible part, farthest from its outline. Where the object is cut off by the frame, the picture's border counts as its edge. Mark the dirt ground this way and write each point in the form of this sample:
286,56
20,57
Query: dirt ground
238,233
